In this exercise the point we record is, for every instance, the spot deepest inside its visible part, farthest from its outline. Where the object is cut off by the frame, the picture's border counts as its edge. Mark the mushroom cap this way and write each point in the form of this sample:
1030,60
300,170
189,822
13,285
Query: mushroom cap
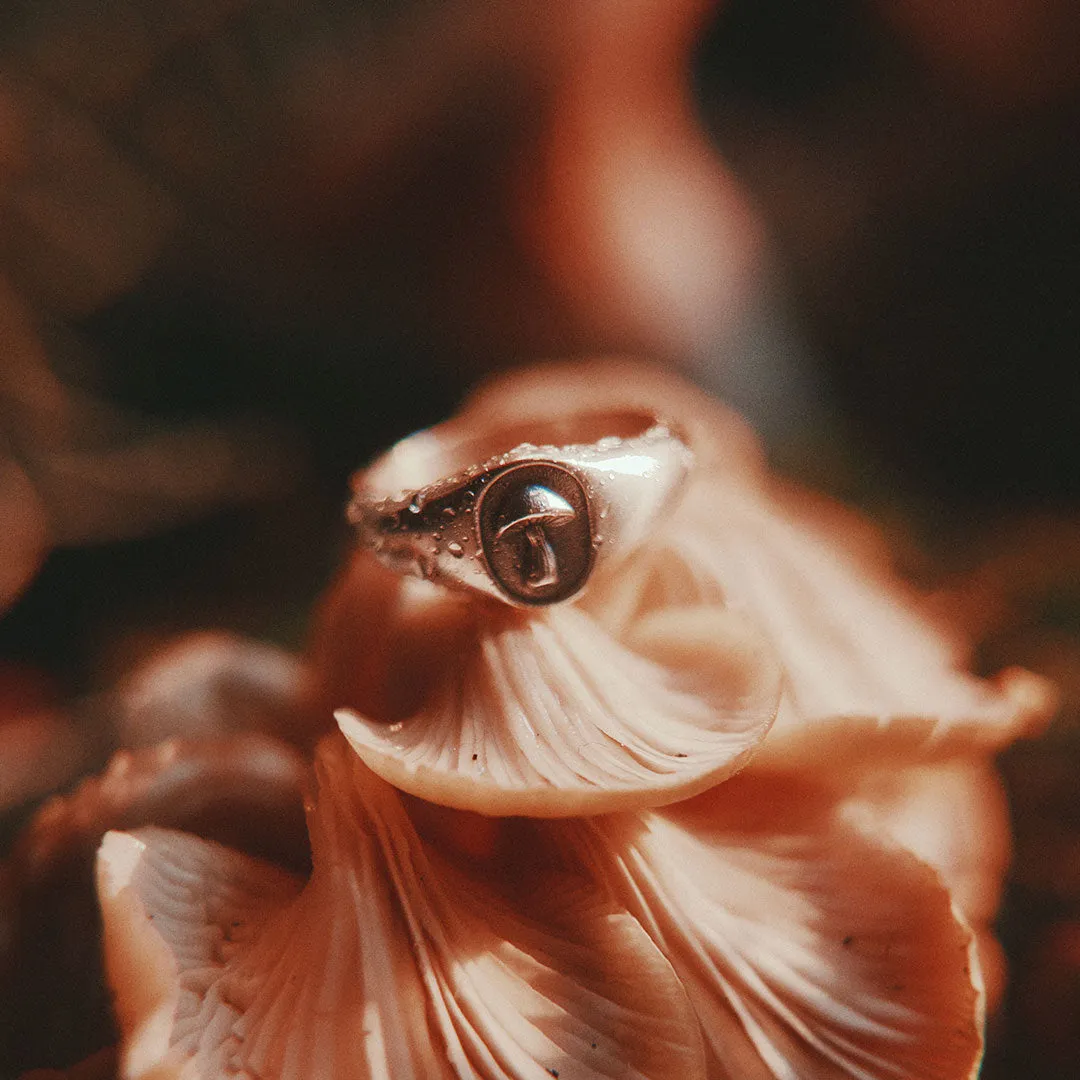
759,930
953,815
656,683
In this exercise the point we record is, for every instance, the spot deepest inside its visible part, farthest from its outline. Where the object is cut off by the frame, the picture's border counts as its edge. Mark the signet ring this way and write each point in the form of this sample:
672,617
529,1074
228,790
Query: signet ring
524,513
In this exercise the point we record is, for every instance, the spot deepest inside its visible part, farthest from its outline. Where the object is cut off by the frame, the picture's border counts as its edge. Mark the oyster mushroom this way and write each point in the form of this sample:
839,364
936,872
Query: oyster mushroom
860,655
392,961
550,714
806,945
954,816
876,698
756,923
809,946
771,926
860,660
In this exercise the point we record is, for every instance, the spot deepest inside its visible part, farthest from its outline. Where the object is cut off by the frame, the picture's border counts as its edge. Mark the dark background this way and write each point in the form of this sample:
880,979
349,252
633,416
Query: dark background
300,224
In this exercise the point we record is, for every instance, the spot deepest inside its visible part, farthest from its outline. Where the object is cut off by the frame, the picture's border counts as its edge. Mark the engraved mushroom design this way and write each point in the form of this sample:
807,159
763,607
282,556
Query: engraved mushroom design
540,507
535,533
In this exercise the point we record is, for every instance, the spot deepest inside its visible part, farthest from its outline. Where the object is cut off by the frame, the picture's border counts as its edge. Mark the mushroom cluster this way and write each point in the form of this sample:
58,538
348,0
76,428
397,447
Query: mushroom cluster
730,813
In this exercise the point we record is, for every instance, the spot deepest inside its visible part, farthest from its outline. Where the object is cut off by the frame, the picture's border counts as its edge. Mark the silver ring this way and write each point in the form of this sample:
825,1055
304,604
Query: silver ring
531,521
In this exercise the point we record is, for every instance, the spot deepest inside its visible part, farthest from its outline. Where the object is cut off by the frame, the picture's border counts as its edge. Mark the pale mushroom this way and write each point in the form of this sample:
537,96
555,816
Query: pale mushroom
777,926
758,923
244,791
865,668
809,947
864,671
392,962
955,817
877,699
721,439
550,715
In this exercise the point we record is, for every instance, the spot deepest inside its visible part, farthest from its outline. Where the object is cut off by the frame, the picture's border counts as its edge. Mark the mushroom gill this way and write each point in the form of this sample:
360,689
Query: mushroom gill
809,947
864,671
757,931
243,791
391,962
954,815
550,716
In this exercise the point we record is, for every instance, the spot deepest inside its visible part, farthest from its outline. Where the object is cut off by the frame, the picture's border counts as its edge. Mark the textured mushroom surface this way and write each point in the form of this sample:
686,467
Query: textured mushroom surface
391,962
953,815
809,946
755,931
861,659
532,856
864,671
549,716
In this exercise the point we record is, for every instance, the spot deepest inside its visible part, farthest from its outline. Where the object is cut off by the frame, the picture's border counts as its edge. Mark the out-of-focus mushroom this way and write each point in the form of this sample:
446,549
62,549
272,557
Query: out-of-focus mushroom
362,153
721,439
24,537
245,791
41,748
205,686
782,923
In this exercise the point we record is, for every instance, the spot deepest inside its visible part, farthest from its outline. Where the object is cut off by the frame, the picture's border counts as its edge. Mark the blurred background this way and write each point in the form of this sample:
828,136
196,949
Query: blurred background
246,243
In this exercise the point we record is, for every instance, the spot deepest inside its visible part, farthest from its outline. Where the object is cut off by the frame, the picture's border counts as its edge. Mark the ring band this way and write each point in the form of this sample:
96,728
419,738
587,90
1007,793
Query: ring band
530,523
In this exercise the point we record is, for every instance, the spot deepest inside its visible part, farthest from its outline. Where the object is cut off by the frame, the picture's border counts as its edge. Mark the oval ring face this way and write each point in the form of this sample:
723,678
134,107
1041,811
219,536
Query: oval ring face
535,532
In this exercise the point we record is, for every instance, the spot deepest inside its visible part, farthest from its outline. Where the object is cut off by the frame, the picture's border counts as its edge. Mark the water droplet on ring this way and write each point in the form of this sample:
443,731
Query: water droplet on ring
455,549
